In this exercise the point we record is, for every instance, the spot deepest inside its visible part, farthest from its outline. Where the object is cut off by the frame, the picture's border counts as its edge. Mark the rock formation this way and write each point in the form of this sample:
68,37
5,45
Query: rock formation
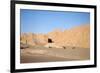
75,37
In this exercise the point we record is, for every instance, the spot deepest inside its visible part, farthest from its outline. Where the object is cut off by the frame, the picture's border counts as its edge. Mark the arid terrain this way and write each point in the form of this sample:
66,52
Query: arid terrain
57,45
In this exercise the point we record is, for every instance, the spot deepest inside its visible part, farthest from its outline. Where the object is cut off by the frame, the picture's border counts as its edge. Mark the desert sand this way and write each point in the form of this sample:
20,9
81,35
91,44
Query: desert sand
42,54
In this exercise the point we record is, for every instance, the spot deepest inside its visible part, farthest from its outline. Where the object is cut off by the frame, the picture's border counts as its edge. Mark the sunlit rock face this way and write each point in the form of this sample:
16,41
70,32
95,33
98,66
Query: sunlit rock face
33,39
77,37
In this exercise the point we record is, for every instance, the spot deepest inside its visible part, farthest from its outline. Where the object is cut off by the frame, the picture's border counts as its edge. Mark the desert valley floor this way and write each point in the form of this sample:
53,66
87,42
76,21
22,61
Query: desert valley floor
42,54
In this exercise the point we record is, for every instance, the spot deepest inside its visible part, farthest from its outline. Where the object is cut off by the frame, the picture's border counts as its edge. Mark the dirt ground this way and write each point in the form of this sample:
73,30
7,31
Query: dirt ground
42,54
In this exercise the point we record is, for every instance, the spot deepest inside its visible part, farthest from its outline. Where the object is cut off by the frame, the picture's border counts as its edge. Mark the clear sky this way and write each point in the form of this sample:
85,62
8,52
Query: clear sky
43,21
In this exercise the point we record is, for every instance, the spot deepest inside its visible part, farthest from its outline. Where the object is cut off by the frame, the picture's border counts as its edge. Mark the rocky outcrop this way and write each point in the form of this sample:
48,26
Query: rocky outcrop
33,39
75,37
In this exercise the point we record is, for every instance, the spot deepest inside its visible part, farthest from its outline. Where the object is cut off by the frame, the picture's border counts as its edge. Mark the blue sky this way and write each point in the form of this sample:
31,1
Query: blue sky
43,21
